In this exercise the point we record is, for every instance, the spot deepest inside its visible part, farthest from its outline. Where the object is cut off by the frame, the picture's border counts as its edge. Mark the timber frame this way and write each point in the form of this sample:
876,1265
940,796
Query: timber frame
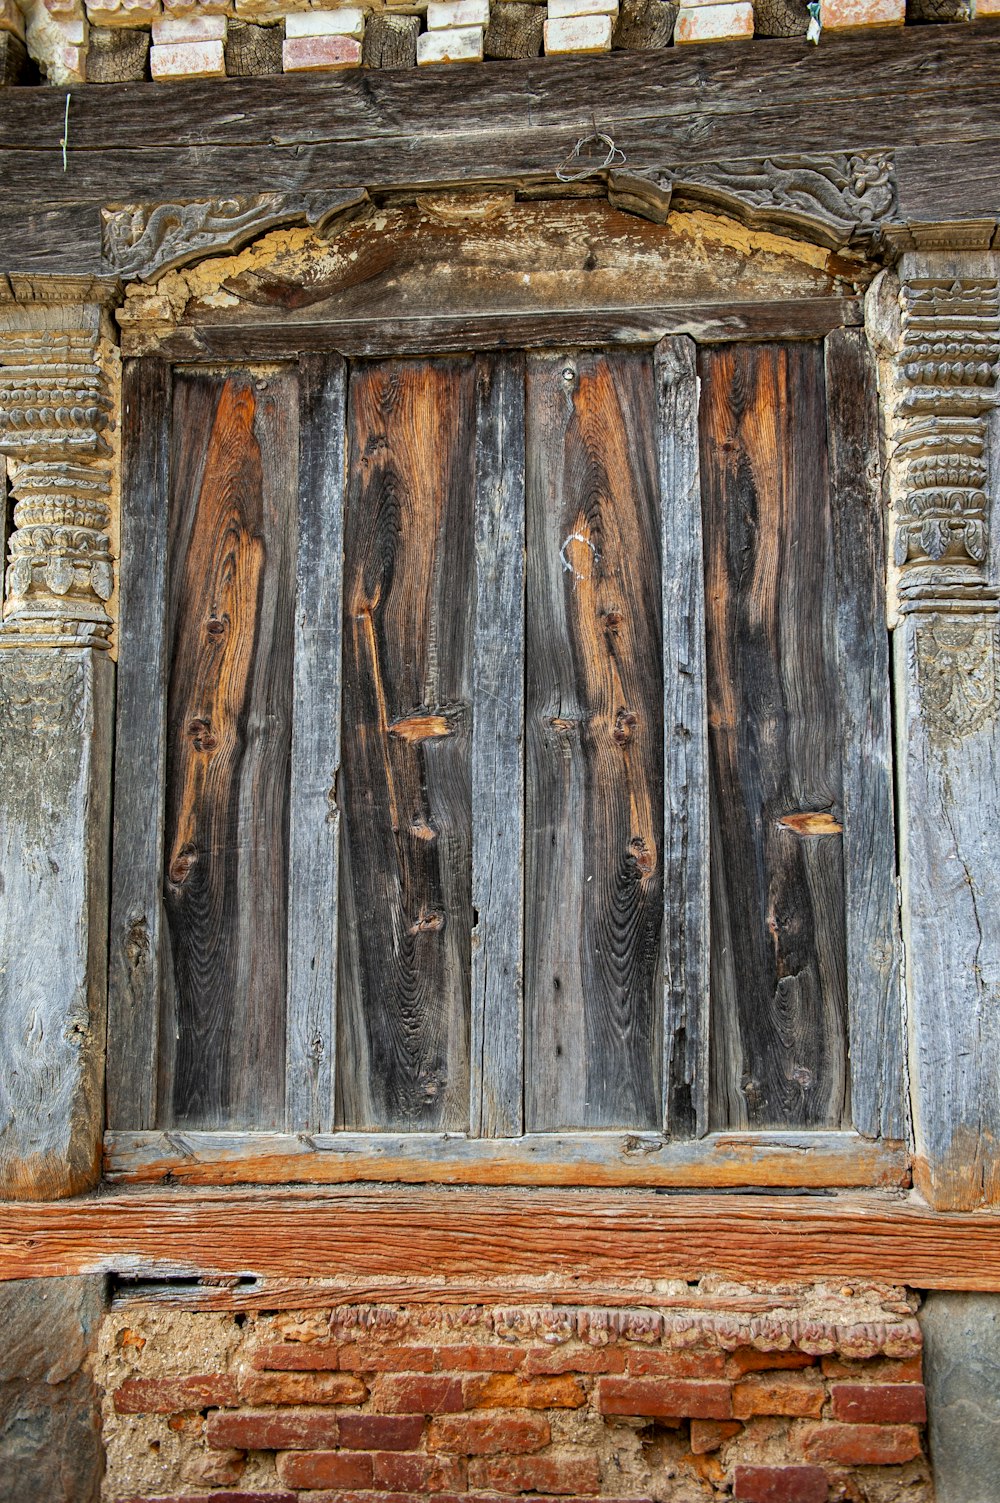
895,160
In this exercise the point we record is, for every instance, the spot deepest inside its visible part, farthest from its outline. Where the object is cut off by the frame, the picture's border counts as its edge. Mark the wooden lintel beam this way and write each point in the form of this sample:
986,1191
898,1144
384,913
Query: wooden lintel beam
466,1233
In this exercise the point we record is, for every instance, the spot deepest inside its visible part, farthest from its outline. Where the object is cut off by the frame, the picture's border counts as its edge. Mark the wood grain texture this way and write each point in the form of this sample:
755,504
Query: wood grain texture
134,954
874,982
638,1159
685,747
406,919
779,1045
594,729
498,752
459,1234
231,634
314,819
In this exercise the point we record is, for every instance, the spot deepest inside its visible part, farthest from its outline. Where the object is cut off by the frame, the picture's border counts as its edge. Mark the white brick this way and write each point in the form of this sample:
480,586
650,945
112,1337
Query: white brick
188,60
561,10
320,54
462,45
714,23
345,21
443,14
189,29
578,34
852,15
987,8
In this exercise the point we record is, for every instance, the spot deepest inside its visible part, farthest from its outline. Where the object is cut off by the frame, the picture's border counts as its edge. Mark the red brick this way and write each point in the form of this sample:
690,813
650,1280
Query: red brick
418,1395
654,1397
542,1474
420,1474
488,1435
780,1484
302,1388
862,1445
881,1370
171,1395
879,1403
272,1429
766,1395
709,1435
504,1391
298,1356
220,1497
480,1359
381,1432
746,1359
387,1359
544,1360
645,1364
324,1469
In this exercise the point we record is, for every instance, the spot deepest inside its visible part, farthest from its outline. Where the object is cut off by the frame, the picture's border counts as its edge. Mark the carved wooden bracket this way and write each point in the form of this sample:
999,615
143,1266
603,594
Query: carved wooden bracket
146,240
838,200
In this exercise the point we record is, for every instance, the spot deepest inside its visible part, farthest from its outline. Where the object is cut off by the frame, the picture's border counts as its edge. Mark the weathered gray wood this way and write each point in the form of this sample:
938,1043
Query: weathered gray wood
390,42
56,711
140,749
314,819
648,1158
117,54
253,50
874,996
644,24
515,30
498,752
685,747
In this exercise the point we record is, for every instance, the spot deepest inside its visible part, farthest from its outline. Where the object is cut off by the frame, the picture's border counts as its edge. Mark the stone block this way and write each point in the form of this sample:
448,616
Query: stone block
188,60
124,13
252,51
390,42
962,1374
854,15
11,19
174,29
319,54
714,23
444,14
578,34
463,44
344,21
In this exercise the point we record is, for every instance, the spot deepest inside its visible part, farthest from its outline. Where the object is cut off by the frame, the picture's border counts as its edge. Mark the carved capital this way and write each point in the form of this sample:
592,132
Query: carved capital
837,199
56,404
957,662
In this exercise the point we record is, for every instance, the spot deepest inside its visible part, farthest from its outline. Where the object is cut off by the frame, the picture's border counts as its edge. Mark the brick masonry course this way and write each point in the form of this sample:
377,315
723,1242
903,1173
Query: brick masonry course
370,1403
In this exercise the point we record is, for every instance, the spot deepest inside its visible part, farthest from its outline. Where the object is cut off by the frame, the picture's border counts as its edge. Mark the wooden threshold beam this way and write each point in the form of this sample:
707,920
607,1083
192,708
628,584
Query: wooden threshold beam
421,1232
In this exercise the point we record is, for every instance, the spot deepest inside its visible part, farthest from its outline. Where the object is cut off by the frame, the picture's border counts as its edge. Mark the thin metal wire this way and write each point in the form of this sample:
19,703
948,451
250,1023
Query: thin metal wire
613,158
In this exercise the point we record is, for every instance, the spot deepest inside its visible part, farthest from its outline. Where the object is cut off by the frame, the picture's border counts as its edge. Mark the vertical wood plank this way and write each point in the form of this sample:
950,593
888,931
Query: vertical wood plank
498,752
878,1105
594,725
314,817
140,749
779,1025
685,747
232,544
406,901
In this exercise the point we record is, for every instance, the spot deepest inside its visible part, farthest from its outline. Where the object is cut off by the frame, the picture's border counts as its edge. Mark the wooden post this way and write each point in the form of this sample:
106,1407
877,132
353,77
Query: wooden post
938,329
56,698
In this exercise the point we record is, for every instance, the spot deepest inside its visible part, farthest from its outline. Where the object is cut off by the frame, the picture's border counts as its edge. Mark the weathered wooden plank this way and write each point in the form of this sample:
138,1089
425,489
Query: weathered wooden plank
229,704
779,1048
134,956
56,713
594,735
685,747
874,996
497,1024
837,1159
479,329
421,1232
406,919
314,821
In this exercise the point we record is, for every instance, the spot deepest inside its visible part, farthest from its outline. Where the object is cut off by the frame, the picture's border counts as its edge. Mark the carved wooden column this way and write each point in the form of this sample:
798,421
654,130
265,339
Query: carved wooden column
937,324
57,393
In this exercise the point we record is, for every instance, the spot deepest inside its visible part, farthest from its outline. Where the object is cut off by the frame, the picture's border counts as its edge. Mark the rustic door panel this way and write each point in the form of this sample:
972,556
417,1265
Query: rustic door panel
406,903
232,529
778,1011
594,710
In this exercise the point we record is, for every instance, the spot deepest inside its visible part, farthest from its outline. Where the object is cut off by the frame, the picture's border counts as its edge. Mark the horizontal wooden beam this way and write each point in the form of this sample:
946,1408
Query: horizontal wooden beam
423,1232
835,1159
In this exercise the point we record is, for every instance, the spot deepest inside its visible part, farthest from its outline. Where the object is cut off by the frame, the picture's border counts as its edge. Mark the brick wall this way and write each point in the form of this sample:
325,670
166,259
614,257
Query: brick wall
379,1403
